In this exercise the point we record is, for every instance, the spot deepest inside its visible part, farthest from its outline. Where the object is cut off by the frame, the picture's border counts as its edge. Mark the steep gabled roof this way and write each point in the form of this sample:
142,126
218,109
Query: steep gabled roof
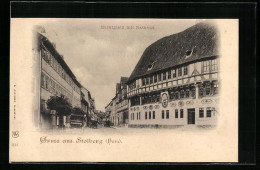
197,42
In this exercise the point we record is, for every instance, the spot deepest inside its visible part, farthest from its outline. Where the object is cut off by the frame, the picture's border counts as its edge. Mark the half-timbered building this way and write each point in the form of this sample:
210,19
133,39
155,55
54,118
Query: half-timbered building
176,81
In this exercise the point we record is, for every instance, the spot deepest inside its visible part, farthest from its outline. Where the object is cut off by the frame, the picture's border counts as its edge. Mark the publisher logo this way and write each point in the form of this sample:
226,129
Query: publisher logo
15,134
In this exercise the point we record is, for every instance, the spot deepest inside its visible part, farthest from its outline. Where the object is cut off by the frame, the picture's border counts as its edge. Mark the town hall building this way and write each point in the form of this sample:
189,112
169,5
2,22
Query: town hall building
176,81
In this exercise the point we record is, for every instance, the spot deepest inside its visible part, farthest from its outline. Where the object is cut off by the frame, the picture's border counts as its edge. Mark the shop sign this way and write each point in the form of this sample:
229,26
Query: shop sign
164,99
180,103
206,101
190,102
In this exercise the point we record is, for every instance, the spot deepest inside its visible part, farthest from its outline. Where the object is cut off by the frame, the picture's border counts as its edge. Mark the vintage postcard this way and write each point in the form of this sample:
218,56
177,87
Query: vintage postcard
123,90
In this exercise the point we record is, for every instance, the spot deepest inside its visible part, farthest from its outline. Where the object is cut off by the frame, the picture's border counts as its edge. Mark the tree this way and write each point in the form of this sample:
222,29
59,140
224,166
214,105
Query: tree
60,104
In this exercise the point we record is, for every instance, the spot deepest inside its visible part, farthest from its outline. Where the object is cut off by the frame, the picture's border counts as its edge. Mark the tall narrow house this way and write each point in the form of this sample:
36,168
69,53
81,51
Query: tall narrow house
52,77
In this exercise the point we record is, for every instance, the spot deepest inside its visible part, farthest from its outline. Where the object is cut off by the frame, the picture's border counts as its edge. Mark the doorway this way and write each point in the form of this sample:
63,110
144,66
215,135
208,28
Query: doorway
191,116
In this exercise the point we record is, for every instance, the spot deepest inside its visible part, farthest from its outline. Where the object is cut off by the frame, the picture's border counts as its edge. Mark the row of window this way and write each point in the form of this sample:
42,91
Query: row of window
160,77
204,90
182,94
138,116
46,55
208,89
48,84
207,66
165,114
54,88
209,112
165,75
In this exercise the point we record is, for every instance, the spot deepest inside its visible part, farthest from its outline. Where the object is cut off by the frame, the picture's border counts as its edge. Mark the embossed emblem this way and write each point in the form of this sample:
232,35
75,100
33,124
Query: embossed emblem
206,101
164,97
180,103
190,102
15,134
173,104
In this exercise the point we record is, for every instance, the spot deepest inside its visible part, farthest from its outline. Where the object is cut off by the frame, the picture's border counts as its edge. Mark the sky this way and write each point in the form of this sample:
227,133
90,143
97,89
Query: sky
98,57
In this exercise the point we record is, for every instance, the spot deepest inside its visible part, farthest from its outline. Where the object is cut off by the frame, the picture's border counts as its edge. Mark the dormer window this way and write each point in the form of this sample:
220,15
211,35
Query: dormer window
150,66
189,53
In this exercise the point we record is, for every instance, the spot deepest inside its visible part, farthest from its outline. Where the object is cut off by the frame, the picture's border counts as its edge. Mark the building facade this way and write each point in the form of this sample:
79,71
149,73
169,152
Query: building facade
122,102
52,77
85,99
118,107
176,81
111,111
79,119
92,109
